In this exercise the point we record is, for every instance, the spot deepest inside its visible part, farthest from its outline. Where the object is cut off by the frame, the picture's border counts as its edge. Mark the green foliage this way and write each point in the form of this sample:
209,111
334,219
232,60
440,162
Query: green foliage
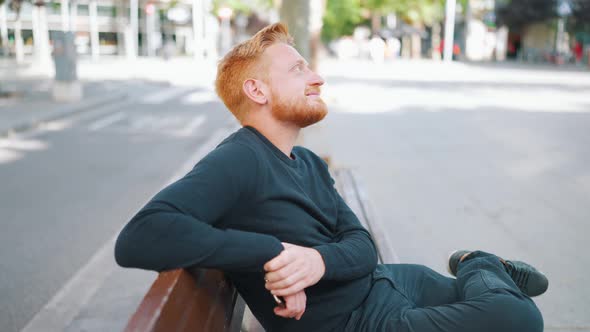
423,12
340,19
418,12
342,16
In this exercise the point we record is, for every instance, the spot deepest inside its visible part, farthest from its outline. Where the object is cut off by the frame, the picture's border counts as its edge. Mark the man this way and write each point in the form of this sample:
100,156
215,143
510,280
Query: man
267,214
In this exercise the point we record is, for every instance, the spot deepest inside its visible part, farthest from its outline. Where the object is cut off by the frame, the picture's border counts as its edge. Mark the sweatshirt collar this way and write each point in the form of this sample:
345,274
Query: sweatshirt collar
293,161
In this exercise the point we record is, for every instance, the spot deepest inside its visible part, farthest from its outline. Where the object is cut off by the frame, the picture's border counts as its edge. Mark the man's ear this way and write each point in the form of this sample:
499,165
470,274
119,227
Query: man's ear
255,91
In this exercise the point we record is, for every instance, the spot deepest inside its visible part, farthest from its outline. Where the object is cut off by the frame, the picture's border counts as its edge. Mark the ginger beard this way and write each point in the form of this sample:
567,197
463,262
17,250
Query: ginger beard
302,111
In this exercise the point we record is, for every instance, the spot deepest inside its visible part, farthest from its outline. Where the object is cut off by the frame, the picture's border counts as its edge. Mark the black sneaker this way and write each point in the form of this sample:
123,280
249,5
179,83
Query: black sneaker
528,279
454,259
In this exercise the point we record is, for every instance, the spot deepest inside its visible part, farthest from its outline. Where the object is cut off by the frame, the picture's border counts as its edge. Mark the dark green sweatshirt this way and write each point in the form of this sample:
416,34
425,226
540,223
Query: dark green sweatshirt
233,210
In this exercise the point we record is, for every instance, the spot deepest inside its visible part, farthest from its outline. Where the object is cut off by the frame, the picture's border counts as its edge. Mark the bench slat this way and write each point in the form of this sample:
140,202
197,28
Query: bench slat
181,299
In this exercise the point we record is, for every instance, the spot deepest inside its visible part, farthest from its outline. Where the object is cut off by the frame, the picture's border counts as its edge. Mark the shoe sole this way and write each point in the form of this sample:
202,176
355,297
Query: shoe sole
449,262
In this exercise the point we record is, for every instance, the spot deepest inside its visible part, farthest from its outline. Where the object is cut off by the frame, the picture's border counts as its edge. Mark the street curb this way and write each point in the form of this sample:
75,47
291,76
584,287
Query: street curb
352,187
67,111
384,247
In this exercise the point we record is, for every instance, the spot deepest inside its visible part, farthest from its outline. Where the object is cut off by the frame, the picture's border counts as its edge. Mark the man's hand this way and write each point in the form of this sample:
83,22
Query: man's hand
294,306
293,270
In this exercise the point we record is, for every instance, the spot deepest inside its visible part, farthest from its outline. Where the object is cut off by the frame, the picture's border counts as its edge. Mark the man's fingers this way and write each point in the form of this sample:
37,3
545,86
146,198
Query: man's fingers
278,262
281,273
301,305
293,289
286,312
298,317
294,306
288,281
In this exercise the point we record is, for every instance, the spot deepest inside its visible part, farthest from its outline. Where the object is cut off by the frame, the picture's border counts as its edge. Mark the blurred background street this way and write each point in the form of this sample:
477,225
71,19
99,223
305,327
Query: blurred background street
482,144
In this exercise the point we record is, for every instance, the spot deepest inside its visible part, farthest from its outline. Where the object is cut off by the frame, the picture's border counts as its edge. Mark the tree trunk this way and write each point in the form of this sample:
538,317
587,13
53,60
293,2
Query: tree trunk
375,22
318,8
417,43
296,15
304,19
435,45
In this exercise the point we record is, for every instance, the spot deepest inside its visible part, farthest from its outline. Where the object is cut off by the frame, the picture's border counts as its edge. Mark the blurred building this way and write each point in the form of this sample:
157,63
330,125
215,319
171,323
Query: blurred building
106,27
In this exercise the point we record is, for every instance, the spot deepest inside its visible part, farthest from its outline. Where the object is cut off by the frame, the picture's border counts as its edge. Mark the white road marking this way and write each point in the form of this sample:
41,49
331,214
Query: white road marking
107,121
59,312
199,97
162,96
7,156
192,126
21,144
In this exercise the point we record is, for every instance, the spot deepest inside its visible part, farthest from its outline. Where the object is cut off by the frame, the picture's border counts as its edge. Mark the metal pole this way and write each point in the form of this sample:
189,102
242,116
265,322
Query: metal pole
44,31
449,29
36,33
4,27
198,29
65,15
150,28
94,42
18,41
74,16
559,36
225,35
134,21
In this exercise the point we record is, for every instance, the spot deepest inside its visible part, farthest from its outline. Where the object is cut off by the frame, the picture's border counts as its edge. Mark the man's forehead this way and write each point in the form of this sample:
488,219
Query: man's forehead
283,55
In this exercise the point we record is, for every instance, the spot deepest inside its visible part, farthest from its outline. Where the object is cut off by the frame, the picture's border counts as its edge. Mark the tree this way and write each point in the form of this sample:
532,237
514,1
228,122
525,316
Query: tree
517,13
581,10
14,5
580,16
341,17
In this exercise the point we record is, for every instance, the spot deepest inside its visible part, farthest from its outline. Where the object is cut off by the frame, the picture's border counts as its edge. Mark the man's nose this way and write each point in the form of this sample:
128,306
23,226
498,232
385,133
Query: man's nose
316,79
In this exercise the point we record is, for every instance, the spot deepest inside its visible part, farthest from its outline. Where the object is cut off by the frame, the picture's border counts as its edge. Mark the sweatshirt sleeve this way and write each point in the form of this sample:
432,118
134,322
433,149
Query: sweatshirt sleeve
352,253
176,228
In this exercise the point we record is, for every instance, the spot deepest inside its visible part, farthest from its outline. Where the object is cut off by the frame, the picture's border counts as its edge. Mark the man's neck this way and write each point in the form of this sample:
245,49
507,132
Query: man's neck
281,135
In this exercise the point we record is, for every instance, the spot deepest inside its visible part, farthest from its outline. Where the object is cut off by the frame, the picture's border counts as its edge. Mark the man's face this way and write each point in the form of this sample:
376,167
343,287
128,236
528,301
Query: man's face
295,89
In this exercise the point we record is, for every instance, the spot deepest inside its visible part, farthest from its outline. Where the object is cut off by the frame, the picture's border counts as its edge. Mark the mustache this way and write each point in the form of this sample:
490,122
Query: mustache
313,91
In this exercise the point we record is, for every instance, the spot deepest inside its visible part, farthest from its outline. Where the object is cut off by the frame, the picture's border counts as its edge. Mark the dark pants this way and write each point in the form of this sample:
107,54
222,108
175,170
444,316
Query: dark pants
415,298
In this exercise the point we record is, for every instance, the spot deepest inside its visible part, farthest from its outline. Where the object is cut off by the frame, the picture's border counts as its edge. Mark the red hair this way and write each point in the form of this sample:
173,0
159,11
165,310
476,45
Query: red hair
243,62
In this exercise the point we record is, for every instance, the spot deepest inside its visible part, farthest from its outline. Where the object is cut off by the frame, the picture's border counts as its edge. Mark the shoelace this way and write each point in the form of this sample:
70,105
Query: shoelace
519,276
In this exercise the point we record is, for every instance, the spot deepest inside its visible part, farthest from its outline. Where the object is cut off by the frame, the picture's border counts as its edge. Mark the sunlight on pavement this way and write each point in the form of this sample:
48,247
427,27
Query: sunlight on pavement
408,86
378,98
200,97
25,145
10,148
56,125
7,156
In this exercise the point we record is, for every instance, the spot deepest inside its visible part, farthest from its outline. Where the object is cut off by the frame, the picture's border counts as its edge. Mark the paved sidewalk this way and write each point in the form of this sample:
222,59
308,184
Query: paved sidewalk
103,83
471,156
33,103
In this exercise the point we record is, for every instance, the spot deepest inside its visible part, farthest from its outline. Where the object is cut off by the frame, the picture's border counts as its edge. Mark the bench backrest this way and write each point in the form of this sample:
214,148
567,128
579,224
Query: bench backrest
188,300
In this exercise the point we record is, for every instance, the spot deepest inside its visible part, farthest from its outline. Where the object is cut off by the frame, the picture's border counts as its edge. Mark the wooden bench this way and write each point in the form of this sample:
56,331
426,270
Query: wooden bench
189,300
203,300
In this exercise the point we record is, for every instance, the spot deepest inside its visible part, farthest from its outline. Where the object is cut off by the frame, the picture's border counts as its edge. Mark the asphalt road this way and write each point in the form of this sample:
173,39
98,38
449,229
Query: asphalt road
68,188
